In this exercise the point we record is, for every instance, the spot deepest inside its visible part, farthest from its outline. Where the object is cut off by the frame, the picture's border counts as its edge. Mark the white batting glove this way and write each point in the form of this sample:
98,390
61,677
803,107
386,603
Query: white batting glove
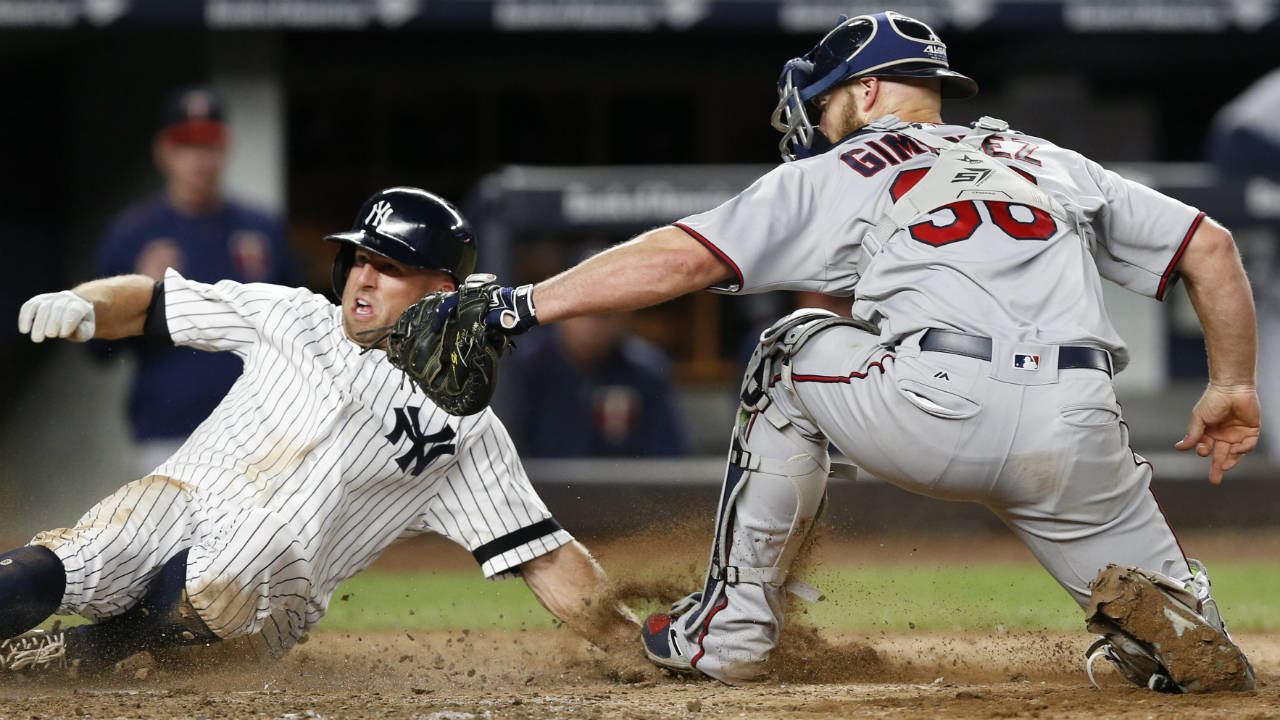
57,315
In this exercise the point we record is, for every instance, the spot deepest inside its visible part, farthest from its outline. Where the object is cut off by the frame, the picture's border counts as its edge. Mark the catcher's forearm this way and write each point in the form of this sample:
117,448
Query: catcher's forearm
119,304
1220,293
657,266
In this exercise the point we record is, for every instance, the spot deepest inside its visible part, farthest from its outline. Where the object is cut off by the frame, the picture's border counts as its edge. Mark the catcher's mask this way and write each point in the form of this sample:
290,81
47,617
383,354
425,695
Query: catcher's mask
412,227
886,44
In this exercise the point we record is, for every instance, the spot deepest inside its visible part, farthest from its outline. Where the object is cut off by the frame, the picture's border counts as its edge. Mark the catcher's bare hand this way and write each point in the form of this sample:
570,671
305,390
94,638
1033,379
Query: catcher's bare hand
1224,424
57,315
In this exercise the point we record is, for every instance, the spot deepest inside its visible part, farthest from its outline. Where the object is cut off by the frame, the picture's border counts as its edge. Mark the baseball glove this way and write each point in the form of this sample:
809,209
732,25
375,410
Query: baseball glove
443,345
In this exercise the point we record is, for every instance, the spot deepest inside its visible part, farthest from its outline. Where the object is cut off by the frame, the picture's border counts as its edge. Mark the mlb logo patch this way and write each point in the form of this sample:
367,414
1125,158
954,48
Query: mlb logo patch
1023,361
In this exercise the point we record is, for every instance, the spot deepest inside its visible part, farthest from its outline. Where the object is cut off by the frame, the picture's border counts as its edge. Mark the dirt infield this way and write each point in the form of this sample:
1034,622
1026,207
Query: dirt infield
550,674
536,675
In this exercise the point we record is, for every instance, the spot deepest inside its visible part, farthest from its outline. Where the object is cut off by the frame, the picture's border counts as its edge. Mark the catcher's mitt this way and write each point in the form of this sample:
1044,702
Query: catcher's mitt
442,343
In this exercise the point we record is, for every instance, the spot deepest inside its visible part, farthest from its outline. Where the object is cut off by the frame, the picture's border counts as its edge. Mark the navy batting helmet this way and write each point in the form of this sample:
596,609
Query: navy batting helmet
412,227
886,44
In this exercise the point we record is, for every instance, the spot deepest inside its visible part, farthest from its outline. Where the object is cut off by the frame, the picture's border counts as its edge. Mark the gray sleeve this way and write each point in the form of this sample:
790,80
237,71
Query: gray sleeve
766,234
1141,233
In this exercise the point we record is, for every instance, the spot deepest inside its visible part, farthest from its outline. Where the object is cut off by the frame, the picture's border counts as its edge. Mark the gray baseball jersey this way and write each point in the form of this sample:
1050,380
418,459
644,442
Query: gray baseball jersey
1027,431
991,268
318,458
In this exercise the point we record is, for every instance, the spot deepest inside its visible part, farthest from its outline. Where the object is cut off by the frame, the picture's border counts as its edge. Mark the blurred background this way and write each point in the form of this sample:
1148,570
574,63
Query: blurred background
561,127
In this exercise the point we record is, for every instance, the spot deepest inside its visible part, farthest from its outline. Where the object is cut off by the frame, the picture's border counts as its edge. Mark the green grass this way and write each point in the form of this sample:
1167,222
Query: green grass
1015,596
876,597
433,600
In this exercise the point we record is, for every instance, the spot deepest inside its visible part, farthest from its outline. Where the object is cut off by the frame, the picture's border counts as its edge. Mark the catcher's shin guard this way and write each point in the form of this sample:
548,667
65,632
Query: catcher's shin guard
770,499
774,488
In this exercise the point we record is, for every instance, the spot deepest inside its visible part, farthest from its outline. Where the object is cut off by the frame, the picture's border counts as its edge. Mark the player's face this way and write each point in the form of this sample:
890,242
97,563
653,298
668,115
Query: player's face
378,289
192,170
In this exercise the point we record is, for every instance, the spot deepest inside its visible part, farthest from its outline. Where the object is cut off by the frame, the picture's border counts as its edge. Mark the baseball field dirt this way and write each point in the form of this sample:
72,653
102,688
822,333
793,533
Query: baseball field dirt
465,674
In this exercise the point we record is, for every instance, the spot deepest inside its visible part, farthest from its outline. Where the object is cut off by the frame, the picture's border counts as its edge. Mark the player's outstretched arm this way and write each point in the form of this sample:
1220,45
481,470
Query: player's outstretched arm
569,583
1225,422
109,308
652,268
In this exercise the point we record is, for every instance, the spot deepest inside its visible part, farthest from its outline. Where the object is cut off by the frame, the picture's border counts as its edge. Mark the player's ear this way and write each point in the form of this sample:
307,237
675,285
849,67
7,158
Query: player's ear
867,90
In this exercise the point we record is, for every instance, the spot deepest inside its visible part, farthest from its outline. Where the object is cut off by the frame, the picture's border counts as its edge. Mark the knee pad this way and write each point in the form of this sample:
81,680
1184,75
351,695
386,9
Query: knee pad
32,583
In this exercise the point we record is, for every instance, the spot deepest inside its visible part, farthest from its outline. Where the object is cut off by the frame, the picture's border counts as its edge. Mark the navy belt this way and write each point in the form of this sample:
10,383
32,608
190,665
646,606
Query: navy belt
976,346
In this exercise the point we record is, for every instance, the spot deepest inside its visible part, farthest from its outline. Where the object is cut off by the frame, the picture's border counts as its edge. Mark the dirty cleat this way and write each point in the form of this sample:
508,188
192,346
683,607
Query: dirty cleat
1153,633
37,650
660,644
661,639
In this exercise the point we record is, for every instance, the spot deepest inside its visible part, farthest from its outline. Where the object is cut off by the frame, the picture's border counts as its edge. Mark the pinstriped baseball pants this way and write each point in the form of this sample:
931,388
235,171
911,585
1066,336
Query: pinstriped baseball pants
246,571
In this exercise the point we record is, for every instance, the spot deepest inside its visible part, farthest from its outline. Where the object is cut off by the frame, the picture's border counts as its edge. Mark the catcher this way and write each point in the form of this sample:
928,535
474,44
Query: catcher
318,458
978,364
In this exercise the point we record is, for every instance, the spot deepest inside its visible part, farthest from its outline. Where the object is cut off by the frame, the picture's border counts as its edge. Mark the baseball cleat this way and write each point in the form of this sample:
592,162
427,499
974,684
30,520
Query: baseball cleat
661,645
1137,664
37,650
1154,633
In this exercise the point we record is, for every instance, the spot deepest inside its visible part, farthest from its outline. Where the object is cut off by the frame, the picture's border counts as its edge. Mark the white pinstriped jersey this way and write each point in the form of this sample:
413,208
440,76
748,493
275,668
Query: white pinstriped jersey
316,460
986,268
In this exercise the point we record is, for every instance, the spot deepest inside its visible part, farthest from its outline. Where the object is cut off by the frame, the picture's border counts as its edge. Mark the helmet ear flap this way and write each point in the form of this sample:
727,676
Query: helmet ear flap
342,263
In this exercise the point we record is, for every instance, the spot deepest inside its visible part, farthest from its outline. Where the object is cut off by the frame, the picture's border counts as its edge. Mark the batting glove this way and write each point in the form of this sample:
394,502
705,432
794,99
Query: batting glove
511,309
57,315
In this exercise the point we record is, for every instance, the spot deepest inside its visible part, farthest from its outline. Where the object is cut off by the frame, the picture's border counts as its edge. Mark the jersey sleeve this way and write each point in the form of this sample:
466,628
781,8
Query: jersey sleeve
486,503
1141,233
763,234
226,315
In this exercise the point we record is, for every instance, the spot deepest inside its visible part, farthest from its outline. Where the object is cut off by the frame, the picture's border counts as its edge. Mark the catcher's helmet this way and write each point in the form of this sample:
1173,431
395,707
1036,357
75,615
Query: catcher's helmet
886,44
412,227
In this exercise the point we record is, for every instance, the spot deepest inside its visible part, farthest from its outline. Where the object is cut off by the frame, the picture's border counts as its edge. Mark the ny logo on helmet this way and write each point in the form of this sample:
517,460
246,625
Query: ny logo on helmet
378,214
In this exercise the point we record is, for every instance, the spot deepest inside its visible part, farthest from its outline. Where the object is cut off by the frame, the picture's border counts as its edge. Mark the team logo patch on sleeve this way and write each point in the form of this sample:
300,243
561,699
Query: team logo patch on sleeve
1024,361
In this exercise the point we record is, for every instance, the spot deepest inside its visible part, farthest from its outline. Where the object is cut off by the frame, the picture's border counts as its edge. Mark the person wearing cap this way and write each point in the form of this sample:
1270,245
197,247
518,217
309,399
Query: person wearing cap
190,226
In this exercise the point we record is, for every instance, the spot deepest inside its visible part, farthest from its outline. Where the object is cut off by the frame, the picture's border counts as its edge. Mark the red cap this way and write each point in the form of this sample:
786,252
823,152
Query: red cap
194,116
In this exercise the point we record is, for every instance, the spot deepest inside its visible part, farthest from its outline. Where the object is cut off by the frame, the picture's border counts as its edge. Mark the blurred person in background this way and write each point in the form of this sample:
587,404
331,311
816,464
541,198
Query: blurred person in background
597,390
190,226
1245,141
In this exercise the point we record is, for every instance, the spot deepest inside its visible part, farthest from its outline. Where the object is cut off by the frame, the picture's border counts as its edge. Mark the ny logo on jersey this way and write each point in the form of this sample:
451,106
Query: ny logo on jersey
378,214
418,453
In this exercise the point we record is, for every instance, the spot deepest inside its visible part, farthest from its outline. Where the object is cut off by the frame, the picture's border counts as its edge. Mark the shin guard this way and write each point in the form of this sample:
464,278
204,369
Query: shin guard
767,508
